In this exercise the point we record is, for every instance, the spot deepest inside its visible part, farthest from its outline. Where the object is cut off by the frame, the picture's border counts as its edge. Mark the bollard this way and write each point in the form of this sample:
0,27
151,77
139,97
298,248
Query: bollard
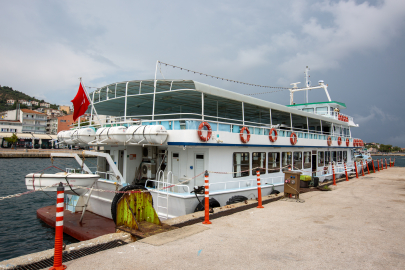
394,163
355,168
334,178
386,163
362,168
373,166
259,190
390,162
382,165
347,177
57,258
368,170
207,200
378,165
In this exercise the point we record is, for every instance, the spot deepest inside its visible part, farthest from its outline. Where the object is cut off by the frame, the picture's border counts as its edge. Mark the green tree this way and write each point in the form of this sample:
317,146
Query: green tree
396,149
12,140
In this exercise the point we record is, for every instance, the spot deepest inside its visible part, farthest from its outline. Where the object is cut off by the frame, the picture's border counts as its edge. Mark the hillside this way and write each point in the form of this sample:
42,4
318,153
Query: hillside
9,93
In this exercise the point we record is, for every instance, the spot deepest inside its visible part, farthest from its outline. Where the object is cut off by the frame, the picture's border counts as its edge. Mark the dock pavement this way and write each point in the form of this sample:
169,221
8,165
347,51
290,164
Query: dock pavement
357,225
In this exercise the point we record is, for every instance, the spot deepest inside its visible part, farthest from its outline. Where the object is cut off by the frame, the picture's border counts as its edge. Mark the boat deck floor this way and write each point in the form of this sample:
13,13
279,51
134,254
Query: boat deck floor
92,226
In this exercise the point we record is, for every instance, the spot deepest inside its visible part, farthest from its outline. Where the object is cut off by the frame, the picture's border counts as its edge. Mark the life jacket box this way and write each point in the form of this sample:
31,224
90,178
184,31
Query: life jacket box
291,183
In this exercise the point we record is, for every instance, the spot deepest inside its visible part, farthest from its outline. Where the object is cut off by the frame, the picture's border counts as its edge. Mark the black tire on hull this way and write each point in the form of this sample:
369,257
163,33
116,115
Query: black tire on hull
236,199
275,192
118,196
200,206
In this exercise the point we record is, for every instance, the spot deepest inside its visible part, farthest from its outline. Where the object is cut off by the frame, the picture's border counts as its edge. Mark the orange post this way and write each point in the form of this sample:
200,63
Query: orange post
362,168
347,177
207,200
368,170
355,168
394,163
386,163
334,178
373,166
57,258
382,165
390,162
378,165
259,190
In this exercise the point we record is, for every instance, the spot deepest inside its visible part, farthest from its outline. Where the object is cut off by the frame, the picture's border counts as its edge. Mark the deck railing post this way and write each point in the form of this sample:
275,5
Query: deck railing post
207,200
347,177
259,190
57,258
355,168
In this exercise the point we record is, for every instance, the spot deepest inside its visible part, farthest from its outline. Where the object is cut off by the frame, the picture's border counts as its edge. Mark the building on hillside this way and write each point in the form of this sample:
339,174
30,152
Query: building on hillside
10,101
66,122
52,126
45,104
10,126
65,108
372,150
32,121
22,101
33,102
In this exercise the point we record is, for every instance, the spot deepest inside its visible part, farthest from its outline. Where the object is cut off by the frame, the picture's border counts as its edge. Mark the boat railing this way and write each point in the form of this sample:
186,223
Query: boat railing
164,188
247,182
106,175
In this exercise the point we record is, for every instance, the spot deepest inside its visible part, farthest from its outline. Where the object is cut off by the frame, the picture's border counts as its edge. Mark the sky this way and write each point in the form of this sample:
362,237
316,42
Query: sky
356,47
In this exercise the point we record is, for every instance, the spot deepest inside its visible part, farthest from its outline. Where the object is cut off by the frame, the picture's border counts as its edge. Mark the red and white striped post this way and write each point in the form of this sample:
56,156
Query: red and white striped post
347,177
368,169
334,177
386,167
259,190
362,168
207,200
373,166
57,258
378,165
355,168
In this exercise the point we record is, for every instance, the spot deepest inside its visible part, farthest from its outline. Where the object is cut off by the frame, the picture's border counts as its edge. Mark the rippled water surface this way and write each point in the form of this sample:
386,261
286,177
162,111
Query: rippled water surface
21,232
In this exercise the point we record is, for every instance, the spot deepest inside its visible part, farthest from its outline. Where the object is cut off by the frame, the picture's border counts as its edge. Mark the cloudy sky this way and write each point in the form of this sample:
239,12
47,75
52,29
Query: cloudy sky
356,47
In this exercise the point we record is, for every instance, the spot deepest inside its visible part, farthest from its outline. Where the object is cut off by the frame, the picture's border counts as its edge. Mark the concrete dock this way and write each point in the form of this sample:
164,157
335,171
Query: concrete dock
358,225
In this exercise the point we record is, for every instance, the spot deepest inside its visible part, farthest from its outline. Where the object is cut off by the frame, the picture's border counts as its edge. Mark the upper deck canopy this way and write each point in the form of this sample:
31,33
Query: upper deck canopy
191,99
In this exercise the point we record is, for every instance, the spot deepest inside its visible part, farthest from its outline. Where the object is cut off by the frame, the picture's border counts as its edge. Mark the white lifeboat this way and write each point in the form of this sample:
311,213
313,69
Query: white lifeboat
150,134
65,137
83,135
38,180
111,134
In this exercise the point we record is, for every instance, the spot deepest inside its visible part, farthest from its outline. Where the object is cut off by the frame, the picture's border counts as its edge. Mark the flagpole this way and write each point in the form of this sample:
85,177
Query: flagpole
91,101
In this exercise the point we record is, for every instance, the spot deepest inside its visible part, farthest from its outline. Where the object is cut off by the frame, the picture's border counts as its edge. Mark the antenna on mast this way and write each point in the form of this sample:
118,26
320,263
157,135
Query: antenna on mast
307,81
292,92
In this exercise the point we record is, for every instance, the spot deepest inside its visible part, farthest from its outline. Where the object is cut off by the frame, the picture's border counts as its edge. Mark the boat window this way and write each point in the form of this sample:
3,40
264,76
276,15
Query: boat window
241,164
222,109
344,156
259,160
199,156
314,124
286,158
274,162
307,160
310,110
175,155
299,122
255,114
339,158
334,157
321,160
322,110
281,118
327,158
297,160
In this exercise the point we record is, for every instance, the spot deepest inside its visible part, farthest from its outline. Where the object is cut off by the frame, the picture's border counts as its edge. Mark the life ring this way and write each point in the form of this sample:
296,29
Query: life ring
347,142
293,138
329,141
355,142
339,140
242,138
200,129
273,139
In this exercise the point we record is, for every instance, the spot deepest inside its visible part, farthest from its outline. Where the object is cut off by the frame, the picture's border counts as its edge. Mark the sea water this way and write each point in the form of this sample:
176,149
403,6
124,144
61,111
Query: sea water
21,232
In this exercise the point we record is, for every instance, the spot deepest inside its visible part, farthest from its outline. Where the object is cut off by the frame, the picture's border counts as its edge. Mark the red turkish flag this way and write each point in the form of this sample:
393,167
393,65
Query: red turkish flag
80,103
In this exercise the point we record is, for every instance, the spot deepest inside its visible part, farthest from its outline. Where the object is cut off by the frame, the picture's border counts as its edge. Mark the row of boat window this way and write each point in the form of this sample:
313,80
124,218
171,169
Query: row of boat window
281,161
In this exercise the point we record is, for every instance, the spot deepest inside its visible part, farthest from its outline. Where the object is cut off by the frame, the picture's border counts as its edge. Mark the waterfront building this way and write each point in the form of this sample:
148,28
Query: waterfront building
65,108
52,126
10,102
32,121
36,103
45,104
10,126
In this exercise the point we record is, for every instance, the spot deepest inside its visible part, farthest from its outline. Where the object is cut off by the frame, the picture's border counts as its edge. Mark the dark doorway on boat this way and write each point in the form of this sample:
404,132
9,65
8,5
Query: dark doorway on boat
314,163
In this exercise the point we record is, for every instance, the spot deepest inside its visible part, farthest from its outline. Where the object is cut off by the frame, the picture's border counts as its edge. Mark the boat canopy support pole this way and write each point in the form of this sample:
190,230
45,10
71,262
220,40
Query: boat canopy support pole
126,101
75,156
110,162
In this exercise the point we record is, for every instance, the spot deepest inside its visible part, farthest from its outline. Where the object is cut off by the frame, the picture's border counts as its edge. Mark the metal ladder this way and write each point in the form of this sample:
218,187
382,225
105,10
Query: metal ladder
162,185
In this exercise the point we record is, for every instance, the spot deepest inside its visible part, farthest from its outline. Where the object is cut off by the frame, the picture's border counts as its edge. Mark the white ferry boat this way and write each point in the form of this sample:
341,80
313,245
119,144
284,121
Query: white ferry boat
160,133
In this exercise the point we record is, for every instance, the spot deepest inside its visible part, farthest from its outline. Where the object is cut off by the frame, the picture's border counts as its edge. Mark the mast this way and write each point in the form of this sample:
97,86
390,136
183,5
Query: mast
307,82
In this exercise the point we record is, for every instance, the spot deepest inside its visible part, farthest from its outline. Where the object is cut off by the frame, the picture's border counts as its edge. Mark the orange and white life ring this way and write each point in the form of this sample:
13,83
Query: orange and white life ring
347,142
329,141
209,131
242,138
355,142
271,137
293,138
339,140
